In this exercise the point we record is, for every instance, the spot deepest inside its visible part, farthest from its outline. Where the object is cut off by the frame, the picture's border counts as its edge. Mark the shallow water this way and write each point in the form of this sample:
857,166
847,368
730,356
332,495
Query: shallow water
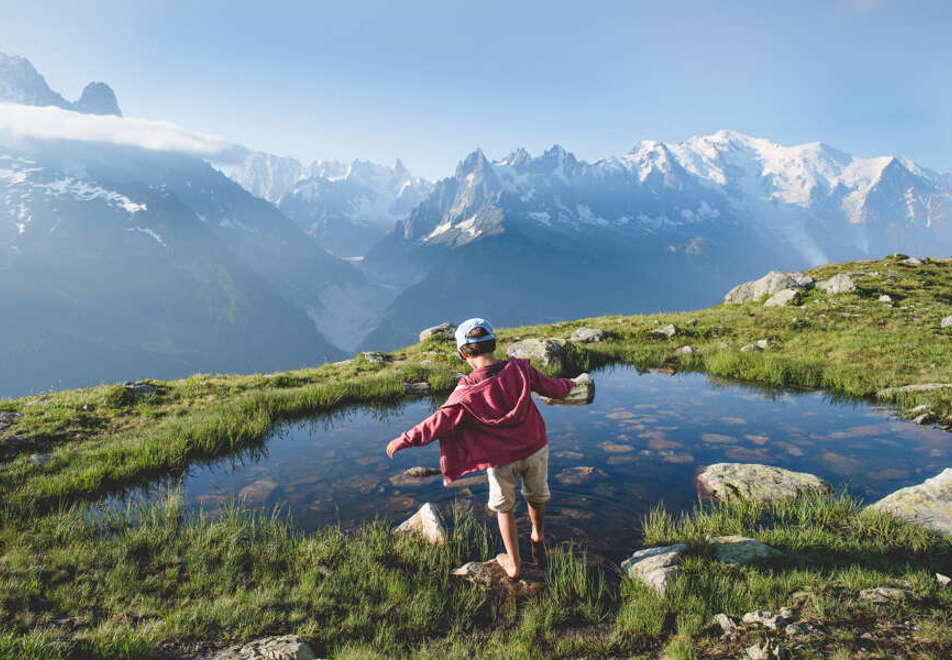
642,441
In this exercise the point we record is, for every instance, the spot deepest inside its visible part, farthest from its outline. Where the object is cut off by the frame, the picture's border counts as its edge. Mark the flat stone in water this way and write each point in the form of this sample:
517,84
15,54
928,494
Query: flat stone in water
257,492
760,483
718,438
574,476
616,448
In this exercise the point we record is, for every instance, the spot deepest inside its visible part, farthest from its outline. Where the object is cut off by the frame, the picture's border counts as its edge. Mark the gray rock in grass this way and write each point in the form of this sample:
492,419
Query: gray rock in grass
655,567
928,504
667,331
838,284
444,331
426,523
736,550
883,595
946,322
587,335
283,647
783,298
769,284
549,353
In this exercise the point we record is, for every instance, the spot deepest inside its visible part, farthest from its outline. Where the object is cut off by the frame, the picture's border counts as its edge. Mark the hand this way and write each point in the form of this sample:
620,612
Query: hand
393,447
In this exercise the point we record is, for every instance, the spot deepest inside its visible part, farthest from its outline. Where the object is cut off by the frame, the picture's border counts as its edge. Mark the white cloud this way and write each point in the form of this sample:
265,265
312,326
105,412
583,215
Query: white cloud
51,123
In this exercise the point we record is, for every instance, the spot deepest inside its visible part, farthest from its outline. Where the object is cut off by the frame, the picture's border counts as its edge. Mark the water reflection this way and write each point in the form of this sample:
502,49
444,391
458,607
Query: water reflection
641,442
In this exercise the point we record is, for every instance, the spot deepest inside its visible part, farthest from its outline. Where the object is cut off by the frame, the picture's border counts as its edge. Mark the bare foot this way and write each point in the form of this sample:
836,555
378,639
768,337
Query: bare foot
535,538
507,565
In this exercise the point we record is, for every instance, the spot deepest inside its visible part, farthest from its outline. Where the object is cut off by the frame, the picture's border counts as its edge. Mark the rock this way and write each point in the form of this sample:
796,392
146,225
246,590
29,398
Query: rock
912,261
838,284
891,392
587,335
736,550
928,504
943,580
769,284
924,418
421,472
759,483
756,616
655,567
783,297
946,322
582,393
747,348
427,523
9,416
882,595
140,388
417,389
801,629
688,350
549,353
41,459
574,476
444,331
257,492
490,576
284,647
374,356
885,298
725,622
763,344
668,331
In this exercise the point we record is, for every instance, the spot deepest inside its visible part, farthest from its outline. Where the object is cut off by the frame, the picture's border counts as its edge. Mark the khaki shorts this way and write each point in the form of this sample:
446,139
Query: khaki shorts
534,471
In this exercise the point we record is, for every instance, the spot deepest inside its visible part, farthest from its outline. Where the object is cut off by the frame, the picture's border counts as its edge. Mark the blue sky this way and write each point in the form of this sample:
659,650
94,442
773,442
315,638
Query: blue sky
430,81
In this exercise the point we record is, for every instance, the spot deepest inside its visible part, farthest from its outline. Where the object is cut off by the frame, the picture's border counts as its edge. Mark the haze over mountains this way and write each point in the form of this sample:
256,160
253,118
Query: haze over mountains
120,262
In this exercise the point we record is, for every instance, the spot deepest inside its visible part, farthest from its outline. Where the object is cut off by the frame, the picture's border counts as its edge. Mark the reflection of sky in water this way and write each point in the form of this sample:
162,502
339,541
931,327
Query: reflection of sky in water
646,436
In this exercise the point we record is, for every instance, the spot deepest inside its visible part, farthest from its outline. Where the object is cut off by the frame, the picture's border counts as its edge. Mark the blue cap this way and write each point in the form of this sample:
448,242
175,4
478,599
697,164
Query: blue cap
469,324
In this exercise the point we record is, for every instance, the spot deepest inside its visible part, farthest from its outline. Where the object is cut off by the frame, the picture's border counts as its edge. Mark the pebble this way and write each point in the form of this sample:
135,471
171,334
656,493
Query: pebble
725,622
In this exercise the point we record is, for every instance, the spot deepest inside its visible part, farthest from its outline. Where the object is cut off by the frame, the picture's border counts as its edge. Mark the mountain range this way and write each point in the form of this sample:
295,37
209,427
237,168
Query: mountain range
119,261
346,207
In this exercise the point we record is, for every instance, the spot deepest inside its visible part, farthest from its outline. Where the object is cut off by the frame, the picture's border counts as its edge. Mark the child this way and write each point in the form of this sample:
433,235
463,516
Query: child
490,423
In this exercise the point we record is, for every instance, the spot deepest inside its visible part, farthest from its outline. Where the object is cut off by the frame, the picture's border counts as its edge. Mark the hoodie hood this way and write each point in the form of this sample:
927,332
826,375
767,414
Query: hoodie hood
499,400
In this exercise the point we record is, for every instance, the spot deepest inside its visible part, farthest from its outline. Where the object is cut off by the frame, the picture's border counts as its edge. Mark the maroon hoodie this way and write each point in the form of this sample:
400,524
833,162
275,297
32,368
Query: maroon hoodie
490,419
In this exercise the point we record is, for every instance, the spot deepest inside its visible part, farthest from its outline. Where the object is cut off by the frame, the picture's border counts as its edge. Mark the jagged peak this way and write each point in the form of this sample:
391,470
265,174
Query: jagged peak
516,157
474,162
98,99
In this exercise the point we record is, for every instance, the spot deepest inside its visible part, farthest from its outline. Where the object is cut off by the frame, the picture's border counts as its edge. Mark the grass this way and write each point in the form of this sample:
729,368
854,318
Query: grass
81,580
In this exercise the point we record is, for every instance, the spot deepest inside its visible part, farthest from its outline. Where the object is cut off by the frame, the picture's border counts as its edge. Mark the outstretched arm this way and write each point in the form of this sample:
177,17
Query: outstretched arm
439,424
555,388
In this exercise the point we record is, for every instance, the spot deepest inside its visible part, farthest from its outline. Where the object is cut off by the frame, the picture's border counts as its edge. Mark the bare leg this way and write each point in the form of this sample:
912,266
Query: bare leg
537,516
510,560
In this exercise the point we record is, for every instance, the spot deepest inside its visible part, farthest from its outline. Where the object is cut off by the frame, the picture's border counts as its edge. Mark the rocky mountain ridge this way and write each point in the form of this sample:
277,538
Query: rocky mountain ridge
20,82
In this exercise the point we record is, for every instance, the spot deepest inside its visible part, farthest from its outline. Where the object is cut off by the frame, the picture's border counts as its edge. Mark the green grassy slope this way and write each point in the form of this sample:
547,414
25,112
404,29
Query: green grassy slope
76,582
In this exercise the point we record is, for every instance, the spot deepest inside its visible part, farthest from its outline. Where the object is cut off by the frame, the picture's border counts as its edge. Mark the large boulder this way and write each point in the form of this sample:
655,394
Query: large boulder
769,284
490,576
426,523
587,335
444,330
655,567
548,353
946,322
283,647
783,297
758,483
838,284
928,504
582,393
